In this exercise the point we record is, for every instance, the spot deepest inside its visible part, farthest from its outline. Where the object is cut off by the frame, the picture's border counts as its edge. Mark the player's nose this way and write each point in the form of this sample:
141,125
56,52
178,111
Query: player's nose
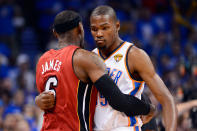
99,33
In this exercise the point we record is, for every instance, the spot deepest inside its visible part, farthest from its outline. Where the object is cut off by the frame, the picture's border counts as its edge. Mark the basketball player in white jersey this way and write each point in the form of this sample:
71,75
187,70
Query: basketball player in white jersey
130,68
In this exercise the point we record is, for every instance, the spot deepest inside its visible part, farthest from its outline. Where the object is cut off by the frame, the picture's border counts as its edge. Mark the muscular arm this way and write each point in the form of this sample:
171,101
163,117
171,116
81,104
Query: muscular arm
139,61
87,66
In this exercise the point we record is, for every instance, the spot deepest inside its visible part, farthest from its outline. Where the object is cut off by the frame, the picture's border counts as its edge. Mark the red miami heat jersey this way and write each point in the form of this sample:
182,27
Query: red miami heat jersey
75,100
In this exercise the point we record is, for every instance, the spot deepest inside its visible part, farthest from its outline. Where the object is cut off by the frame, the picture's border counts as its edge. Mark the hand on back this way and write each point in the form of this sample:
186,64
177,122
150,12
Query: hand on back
45,100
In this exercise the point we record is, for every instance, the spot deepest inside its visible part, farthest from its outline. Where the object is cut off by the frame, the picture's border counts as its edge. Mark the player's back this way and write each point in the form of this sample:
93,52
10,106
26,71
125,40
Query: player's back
72,110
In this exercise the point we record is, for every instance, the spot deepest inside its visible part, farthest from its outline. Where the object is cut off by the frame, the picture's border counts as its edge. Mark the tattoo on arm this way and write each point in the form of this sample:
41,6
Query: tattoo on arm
99,62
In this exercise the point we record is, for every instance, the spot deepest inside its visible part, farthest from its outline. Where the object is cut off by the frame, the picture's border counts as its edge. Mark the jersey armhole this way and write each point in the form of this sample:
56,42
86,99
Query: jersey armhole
127,65
73,63
74,69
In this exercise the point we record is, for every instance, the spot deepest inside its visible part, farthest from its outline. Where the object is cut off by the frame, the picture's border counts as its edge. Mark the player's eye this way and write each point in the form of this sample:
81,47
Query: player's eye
93,29
105,28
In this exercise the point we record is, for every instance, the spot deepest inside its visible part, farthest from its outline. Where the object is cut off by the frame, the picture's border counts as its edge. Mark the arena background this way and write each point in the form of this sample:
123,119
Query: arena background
165,29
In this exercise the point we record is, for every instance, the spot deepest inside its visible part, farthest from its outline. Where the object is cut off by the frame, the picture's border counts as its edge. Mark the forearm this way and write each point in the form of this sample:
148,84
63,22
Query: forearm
128,104
169,113
182,107
162,94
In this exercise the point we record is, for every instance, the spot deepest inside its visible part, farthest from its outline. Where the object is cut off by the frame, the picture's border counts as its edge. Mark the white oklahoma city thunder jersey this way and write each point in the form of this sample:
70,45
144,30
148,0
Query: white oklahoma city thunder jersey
106,118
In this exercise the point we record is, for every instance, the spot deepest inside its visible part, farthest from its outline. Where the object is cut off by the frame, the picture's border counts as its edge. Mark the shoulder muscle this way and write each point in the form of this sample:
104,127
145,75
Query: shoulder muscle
88,65
140,61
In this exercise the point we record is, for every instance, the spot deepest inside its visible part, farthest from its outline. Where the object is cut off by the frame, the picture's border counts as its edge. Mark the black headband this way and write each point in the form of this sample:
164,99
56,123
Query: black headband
66,26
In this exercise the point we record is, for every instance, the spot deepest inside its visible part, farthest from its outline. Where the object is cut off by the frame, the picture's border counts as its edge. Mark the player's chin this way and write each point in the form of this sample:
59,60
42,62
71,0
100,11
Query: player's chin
101,45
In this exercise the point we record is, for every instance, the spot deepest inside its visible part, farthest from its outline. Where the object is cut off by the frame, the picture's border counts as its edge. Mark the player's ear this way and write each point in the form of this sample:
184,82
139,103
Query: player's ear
55,33
118,25
81,30
80,27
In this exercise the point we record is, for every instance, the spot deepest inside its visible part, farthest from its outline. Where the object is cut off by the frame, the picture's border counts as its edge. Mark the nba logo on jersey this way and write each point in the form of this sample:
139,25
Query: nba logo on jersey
118,57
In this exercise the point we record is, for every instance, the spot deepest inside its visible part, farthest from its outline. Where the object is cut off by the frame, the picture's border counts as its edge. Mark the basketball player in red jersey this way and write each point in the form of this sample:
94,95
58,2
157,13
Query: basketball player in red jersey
68,73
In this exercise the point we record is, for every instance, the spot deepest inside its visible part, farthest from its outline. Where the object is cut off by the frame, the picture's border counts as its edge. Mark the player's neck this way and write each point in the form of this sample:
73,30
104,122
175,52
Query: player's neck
107,51
63,43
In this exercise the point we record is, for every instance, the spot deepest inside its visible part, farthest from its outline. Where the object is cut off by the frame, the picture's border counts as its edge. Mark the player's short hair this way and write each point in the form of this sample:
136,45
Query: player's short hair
65,21
104,10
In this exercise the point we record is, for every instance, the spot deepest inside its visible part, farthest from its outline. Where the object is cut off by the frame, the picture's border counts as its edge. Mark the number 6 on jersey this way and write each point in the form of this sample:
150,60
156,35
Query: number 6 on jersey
51,82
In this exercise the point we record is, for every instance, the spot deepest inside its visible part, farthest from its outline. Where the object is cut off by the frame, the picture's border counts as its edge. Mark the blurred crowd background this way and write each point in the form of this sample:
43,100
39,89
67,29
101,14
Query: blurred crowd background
165,29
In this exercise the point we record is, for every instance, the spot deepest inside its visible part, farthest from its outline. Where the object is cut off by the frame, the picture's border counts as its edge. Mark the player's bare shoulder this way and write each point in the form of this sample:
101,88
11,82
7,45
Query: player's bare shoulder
139,60
136,53
85,62
87,58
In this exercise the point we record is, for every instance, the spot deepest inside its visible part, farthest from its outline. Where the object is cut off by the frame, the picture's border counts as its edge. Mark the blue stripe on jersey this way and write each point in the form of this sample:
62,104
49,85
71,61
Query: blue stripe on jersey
137,86
133,121
137,128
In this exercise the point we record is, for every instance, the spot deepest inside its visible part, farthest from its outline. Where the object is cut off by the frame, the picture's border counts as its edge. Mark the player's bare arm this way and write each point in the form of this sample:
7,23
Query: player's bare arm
186,106
140,62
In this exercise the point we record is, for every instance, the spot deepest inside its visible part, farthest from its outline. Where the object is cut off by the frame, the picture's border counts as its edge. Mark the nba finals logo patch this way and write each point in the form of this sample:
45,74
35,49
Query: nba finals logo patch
118,57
